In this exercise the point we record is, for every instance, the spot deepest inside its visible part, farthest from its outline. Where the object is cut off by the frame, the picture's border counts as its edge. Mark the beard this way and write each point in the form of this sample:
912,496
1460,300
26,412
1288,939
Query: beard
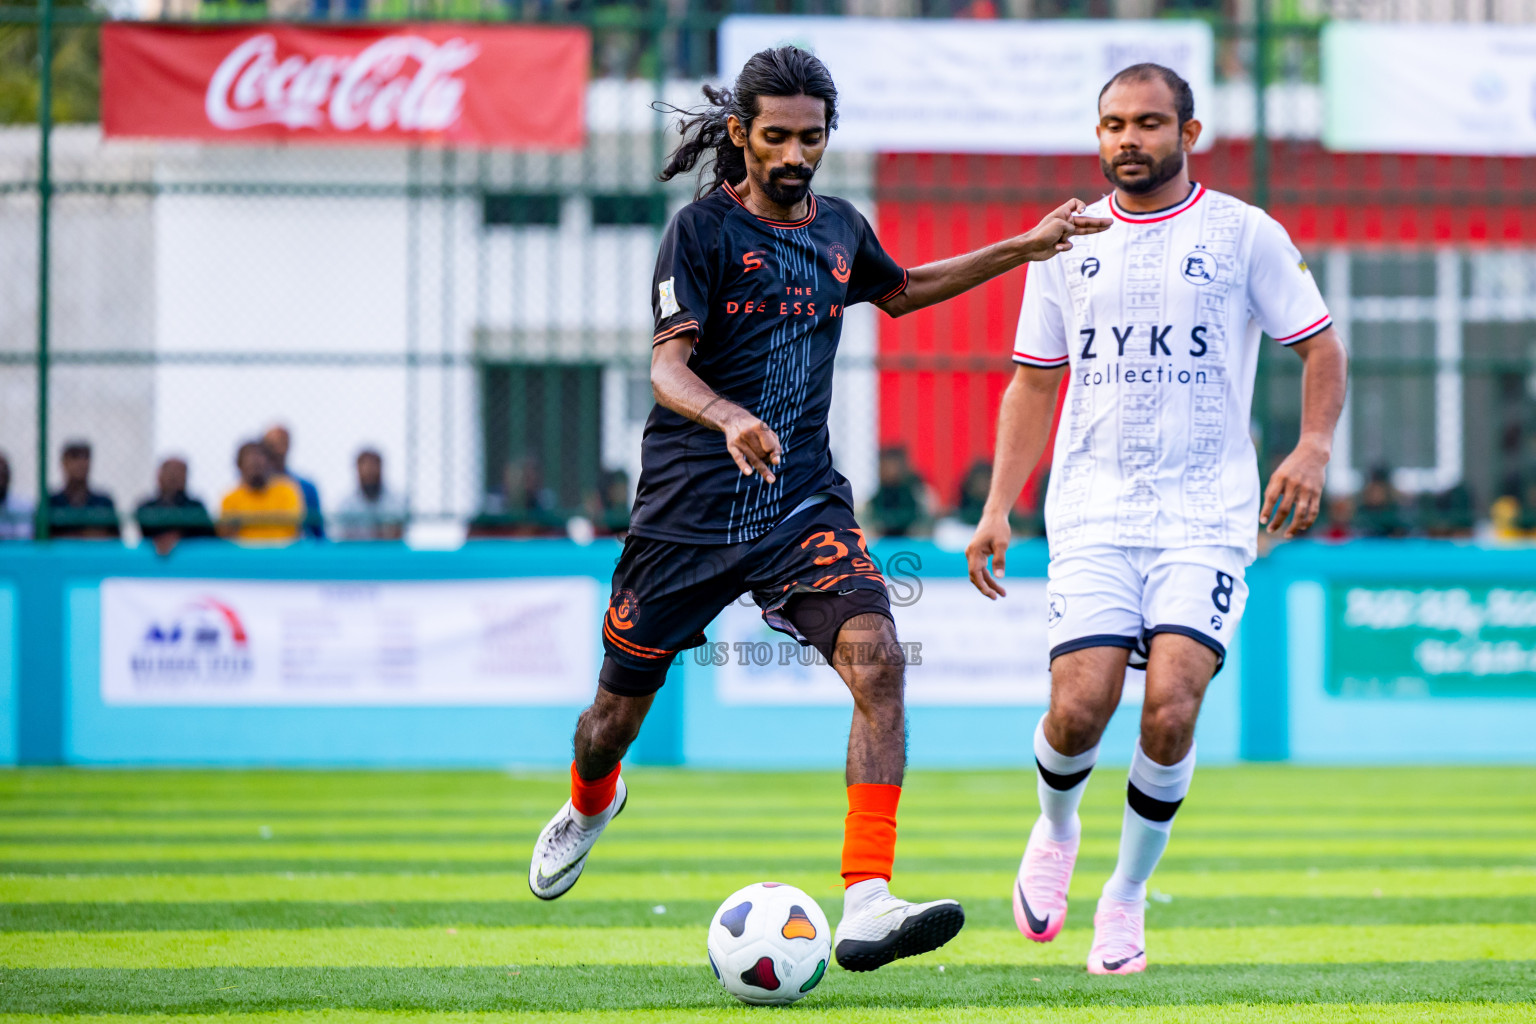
786,186
1159,172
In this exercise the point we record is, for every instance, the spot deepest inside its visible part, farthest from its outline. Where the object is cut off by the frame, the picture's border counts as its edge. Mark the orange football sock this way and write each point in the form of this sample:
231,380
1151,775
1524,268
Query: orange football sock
869,832
592,798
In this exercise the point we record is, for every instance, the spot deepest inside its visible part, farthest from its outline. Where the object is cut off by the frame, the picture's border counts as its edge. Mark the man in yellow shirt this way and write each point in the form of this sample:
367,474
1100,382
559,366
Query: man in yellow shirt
264,507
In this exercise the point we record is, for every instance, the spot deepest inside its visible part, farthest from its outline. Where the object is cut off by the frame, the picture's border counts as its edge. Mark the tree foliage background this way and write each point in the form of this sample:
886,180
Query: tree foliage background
76,67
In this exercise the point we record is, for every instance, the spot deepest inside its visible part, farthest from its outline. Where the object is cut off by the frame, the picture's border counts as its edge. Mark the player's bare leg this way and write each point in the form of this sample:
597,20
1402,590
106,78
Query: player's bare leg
603,735
1085,691
1178,671
878,927
605,731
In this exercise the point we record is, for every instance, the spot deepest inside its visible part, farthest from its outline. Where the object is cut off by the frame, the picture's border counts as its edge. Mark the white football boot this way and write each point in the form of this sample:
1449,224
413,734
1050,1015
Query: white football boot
1040,889
561,850
888,928
1119,943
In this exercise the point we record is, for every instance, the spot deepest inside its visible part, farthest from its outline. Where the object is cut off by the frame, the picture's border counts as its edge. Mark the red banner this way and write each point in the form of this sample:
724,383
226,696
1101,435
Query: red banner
474,85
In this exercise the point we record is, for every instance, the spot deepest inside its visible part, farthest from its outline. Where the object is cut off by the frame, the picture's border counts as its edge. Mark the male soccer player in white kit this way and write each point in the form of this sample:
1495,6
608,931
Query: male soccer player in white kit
1153,508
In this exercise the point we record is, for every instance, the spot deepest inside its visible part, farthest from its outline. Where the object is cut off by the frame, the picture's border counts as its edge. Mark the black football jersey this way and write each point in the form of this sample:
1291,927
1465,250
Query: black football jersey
766,300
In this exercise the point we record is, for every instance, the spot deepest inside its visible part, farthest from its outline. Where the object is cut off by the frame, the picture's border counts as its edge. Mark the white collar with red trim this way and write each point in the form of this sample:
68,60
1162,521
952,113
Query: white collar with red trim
1153,216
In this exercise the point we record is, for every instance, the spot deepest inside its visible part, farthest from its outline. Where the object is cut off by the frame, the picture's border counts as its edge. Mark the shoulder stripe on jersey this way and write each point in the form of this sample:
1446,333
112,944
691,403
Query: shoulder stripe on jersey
895,291
1153,216
674,331
783,224
1029,360
1306,332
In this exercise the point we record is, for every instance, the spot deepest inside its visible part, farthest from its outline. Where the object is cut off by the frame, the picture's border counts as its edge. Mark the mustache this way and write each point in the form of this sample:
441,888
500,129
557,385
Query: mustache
1130,158
791,174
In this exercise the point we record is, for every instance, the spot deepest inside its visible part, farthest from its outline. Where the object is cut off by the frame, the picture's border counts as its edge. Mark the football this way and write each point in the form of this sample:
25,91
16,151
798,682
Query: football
769,944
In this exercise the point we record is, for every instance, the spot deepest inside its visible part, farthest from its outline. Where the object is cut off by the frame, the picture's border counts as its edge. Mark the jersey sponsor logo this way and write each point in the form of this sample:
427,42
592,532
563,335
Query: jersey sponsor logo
776,307
1199,268
1156,339
624,610
666,293
1090,267
751,261
842,265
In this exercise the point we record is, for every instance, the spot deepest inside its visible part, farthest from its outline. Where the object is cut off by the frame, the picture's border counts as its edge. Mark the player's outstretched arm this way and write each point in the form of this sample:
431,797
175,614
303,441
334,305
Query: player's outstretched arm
751,442
1295,492
1023,427
934,282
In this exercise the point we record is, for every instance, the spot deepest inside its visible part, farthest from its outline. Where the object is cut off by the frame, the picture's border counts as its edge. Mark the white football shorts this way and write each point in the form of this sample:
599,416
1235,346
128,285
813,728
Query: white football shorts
1107,596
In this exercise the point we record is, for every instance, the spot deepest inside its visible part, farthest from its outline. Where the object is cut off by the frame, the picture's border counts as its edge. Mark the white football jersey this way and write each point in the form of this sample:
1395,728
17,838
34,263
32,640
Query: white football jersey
1159,318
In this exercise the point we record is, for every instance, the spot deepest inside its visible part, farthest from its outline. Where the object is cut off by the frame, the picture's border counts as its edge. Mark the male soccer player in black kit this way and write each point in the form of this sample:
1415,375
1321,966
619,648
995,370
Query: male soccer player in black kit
737,489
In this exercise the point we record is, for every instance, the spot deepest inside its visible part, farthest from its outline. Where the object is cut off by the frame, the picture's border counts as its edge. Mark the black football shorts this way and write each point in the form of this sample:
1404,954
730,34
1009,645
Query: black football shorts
809,575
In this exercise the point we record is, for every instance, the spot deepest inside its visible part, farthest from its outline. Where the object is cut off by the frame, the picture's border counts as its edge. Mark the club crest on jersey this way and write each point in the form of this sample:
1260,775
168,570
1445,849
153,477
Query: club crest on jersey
1199,268
1055,609
1090,267
624,609
842,265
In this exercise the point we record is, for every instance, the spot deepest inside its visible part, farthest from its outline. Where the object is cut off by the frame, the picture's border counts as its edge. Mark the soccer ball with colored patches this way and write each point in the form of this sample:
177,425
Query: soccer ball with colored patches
769,944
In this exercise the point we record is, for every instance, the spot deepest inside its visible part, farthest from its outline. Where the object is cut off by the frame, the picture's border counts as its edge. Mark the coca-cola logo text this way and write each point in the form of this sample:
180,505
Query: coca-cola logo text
404,82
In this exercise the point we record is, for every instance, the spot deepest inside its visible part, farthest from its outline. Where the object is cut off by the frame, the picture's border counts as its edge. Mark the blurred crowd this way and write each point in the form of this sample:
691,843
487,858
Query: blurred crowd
905,505
270,503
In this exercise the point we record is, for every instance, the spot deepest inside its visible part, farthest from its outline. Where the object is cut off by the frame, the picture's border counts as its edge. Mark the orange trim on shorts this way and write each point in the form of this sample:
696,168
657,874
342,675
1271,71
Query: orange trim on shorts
627,647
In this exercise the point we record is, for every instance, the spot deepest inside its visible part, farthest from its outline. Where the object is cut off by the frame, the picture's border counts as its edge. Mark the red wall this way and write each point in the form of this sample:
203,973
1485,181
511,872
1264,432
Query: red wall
942,370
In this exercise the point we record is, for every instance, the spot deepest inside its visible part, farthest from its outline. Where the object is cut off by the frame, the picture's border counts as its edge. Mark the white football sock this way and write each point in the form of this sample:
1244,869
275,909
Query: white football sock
857,895
1153,795
1059,806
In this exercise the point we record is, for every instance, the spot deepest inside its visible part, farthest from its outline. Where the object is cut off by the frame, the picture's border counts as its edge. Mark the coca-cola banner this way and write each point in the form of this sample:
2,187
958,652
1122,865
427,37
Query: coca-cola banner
478,85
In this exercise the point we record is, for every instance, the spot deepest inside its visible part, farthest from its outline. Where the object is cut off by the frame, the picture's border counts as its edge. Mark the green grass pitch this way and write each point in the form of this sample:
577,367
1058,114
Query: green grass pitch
1288,894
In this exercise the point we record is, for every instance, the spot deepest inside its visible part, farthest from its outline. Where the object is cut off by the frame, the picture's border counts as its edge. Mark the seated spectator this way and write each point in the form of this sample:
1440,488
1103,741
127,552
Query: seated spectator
524,507
264,507
1338,519
77,512
277,441
373,512
173,515
1509,516
1379,511
899,507
609,506
973,492
1447,513
15,513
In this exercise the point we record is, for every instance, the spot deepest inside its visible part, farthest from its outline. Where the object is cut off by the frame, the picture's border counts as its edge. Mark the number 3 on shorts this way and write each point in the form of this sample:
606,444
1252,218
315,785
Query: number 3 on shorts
1221,596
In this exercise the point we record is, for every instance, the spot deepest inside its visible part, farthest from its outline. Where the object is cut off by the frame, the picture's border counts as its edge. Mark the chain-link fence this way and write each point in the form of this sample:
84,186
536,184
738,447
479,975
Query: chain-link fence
480,319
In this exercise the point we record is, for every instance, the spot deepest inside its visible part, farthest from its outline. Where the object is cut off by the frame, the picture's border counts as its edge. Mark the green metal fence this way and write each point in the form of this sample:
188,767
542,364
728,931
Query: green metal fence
478,317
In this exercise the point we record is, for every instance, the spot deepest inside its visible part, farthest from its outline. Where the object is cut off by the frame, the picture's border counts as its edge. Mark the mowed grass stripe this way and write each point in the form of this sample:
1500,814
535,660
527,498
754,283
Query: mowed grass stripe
1228,912
1251,1013
622,849
750,868
475,946
597,987
684,883
940,796
987,833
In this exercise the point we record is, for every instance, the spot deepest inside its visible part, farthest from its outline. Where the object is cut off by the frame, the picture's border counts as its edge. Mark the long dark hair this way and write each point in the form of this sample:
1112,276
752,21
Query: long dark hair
780,71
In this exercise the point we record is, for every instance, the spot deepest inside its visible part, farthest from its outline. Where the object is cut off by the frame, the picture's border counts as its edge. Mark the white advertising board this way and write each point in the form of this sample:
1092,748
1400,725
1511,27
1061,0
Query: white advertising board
469,642
1429,88
963,650
930,86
